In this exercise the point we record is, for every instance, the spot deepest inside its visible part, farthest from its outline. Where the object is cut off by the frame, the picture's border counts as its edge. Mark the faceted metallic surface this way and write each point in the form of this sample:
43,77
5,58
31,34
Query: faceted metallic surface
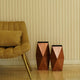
42,56
57,57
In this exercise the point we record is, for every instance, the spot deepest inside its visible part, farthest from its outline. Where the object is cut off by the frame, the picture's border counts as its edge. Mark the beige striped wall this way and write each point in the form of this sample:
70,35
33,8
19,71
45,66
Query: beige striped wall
56,21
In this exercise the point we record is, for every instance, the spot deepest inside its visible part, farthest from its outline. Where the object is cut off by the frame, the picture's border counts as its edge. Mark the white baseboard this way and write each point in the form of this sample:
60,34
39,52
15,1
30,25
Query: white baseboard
33,63
65,62
71,61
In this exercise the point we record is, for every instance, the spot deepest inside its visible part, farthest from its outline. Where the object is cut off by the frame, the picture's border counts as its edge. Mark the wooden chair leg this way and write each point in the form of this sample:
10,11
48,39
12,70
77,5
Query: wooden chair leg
26,65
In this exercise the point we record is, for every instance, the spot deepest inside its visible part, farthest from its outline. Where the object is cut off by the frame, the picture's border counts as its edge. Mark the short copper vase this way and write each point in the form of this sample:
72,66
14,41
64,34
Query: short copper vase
42,56
57,57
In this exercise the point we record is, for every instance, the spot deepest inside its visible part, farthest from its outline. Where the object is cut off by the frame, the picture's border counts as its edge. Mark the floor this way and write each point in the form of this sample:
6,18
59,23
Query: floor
70,72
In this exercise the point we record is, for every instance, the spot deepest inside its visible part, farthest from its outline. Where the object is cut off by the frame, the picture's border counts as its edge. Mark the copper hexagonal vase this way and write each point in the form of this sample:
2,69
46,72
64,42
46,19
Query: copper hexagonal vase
42,55
57,57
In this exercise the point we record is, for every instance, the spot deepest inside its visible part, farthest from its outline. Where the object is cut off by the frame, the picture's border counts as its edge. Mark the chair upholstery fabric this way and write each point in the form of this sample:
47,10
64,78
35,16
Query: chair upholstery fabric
10,38
10,52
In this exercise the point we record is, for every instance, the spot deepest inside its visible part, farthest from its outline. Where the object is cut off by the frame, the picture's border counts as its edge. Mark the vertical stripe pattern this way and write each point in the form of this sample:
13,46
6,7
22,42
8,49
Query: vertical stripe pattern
56,21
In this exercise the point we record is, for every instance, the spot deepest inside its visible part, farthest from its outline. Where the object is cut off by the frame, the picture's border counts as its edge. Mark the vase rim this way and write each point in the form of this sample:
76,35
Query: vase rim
57,45
42,41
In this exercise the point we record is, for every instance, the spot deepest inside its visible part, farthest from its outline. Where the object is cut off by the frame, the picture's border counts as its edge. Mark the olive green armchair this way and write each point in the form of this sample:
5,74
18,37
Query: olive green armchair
20,50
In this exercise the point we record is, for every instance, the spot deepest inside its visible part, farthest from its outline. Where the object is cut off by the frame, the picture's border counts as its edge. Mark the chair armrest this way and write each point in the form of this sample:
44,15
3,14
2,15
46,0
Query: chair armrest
25,47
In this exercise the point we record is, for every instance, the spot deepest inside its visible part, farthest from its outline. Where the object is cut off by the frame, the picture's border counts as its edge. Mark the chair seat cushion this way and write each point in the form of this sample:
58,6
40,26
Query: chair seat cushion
10,38
11,52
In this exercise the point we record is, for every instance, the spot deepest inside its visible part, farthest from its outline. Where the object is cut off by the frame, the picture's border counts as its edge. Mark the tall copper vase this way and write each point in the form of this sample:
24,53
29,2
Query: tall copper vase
42,55
57,57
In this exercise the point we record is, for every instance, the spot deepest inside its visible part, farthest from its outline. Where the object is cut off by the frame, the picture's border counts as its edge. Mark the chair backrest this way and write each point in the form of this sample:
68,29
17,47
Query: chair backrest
15,26
10,25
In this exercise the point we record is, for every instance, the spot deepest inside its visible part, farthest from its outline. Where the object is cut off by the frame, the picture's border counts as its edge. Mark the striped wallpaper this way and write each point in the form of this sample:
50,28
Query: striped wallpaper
56,21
